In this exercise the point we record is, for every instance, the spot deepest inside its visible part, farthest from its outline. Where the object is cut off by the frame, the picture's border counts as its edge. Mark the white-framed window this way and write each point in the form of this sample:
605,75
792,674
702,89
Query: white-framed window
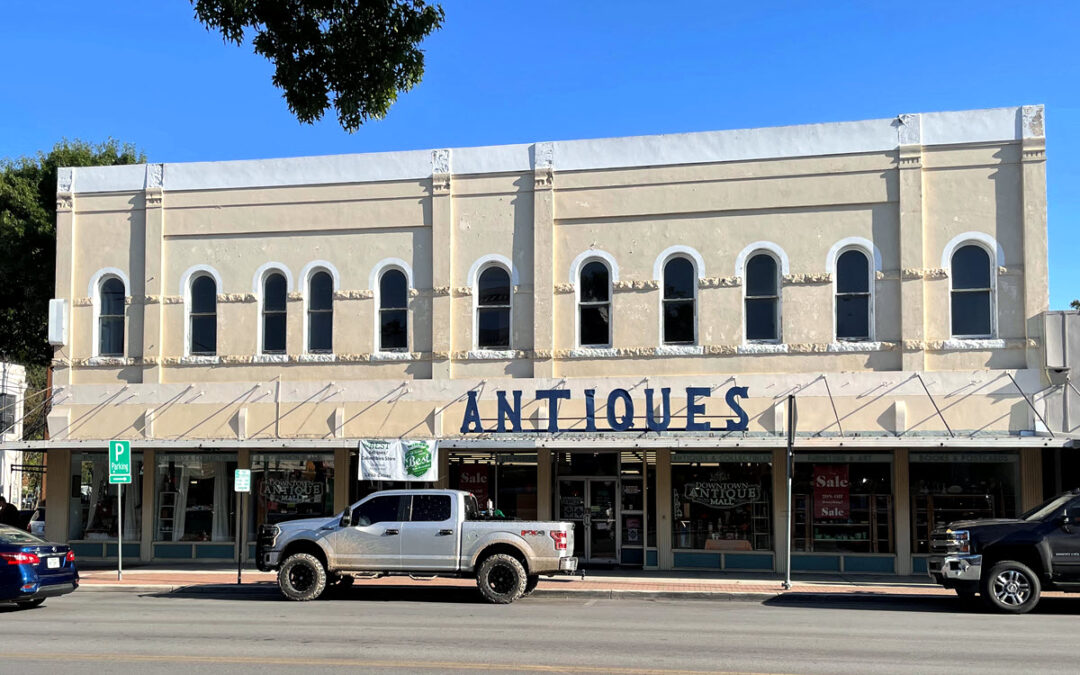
972,291
594,304
762,298
202,315
854,296
111,299
494,298
679,301
320,312
393,311
275,291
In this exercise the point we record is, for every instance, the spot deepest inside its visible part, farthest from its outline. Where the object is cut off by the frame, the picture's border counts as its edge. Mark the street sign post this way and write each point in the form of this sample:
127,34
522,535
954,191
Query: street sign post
242,486
120,475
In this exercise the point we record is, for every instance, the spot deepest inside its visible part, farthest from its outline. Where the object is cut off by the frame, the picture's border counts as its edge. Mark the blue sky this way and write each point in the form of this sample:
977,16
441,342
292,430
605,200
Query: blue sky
511,72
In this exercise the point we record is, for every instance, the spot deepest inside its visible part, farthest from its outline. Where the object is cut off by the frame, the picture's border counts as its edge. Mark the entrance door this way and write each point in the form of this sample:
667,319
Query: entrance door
591,505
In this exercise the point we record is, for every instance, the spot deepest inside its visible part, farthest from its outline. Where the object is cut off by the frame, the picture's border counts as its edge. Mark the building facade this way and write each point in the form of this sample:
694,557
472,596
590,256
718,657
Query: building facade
12,406
605,331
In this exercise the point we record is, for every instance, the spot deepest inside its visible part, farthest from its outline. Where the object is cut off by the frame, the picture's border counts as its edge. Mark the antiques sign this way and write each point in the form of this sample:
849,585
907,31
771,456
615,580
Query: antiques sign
721,494
293,491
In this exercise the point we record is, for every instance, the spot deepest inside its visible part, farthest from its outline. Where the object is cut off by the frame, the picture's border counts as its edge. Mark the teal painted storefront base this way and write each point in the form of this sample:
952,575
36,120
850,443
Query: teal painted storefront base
97,550
873,565
815,563
251,551
215,551
650,559
194,551
723,561
130,550
631,556
918,565
173,551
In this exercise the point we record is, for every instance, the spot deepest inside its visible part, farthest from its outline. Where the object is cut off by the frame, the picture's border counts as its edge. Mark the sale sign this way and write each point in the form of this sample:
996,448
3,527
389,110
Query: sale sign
474,478
832,492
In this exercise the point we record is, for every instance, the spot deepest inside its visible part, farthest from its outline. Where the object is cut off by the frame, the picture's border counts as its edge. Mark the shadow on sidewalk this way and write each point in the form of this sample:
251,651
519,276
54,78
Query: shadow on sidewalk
268,592
908,603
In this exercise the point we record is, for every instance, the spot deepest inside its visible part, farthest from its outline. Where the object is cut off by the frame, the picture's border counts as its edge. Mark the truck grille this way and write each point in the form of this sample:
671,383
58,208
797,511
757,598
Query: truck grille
942,542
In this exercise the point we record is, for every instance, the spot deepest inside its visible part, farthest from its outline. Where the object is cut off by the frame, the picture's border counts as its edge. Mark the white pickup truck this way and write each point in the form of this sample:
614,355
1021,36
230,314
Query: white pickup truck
416,533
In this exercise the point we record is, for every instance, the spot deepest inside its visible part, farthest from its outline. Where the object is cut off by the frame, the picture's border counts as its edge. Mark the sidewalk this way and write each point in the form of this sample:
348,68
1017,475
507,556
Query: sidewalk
600,583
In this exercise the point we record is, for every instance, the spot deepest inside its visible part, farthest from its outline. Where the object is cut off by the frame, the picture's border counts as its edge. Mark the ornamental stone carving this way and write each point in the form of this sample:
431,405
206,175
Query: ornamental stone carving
1033,121
440,291
154,175
914,345
172,300
909,129
236,297
915,273
462,291
563,289
235,359
64,177
720,350
82,302
63,203
354,295
631,286
719,282
807,279
151,299
440,161
295,296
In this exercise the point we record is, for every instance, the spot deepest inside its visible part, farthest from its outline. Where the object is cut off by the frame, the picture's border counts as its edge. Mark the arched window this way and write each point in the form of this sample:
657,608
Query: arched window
111,317
853,296
762,299
320,313
393,312
493,309
273,313
203,317
680,283
972,293
594,305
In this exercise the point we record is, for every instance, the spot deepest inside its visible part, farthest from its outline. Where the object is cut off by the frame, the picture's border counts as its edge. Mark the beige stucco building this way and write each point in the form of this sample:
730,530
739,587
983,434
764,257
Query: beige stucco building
890,274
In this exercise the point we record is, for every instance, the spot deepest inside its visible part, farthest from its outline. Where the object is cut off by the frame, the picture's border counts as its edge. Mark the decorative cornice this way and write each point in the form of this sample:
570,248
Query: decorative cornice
440,291
235,297
295,296
462,292
563,289
927,273
237,359
61,363
64,203
151,299
914,345
633,286
82,302
152,199
150,360
543,179
763,348
172,299
719,282
316,358
414,292
354,295
806,279
395,356
959,345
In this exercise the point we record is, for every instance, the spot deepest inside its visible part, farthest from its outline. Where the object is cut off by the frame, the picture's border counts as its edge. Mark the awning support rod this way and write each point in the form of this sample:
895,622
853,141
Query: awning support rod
833,404
931,397
1030,404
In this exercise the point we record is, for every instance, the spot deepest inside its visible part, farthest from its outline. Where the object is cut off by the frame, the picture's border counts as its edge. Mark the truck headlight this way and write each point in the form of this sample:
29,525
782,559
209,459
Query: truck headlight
962,538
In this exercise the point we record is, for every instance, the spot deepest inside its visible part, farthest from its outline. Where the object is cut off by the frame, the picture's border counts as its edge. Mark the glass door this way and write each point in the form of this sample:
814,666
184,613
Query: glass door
572,509
603,543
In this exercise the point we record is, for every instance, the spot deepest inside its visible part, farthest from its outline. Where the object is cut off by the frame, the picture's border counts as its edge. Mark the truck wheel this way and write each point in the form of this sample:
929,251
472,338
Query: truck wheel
1011,587
302,577
501,579
530,584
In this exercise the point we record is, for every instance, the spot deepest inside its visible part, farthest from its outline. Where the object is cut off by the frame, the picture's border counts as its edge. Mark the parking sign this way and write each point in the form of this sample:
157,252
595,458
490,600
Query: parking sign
242,480
119,462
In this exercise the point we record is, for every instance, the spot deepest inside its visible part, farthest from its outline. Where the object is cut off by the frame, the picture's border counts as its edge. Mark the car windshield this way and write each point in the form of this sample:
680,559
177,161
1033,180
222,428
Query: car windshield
1046,508
12,535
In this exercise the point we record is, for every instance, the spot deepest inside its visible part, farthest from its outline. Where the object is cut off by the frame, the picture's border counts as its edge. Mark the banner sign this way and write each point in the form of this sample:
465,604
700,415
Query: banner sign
832,492
722,494
292,491
963,457
399,460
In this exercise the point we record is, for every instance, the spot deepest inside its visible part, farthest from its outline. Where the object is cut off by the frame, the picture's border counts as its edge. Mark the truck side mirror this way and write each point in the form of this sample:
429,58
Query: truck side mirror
346,517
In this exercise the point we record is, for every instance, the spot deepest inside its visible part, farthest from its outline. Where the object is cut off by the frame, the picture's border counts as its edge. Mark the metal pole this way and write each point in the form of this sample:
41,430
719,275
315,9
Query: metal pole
790,470
239,537
119,531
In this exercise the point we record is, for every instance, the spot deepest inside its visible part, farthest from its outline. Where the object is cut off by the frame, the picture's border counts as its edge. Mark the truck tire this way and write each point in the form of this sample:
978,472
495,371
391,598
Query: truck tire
1011,587
530,584
302,577
501,579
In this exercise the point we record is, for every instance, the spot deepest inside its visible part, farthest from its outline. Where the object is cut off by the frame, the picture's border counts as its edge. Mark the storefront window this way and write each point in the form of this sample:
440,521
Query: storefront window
722,501
949,486
842,503
195,498
290,486
507,479
93,509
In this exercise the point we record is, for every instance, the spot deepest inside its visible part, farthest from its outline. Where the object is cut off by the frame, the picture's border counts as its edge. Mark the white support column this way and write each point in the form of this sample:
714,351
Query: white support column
665,556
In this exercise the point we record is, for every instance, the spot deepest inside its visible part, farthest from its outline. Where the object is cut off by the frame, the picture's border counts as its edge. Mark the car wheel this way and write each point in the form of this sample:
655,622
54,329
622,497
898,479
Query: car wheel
501,579
530,585
1011,587
302,577
30,604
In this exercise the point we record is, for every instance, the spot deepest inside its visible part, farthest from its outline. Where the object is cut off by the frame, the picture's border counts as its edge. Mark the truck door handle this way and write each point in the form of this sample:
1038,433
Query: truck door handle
389,533
445,533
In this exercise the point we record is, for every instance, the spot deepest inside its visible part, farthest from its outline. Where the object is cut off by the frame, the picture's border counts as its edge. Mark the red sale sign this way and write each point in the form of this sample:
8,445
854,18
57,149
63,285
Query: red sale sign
474,478
832,492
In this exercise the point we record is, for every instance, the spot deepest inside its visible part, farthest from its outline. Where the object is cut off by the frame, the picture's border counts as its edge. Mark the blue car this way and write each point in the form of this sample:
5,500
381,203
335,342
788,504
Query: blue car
32,569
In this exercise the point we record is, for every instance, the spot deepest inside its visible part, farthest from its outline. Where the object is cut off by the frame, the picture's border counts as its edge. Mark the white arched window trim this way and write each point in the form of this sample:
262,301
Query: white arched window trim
994,252
686,253
478,268
587,256
374,282
873,255
774,252
310,270
607,261
93,291
186,279
258,288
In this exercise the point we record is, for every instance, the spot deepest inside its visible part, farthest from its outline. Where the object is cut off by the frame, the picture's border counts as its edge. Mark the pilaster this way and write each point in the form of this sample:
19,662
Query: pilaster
665,556
901,511
342,477
779,490
543,483
442,263
1036,272
243,502
152,277
149,505
912,254
543,258
1030,478
65,267
58,482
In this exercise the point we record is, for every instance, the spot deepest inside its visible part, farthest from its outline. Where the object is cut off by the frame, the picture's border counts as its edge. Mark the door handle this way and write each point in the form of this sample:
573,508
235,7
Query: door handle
389,533
445,533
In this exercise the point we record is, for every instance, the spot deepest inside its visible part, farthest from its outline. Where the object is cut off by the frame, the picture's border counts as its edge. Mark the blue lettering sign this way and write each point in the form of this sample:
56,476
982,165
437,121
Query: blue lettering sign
627,420
693,408
553,396
665,405
508,412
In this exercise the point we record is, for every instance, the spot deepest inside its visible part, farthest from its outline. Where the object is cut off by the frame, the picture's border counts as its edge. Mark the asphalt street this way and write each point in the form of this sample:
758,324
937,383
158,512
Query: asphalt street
441,630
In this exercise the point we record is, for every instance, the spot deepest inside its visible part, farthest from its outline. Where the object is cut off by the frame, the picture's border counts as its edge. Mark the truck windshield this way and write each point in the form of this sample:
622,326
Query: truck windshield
1046,508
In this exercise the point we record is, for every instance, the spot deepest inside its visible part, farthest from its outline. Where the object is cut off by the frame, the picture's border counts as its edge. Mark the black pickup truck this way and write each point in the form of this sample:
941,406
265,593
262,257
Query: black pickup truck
1010,562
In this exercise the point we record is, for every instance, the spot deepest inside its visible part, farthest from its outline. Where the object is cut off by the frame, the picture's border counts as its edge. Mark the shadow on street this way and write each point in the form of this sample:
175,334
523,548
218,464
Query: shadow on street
909,603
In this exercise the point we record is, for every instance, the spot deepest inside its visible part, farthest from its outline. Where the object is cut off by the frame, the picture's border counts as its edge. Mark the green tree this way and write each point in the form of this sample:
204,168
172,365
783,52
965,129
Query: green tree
28,241
1075,304
355,55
